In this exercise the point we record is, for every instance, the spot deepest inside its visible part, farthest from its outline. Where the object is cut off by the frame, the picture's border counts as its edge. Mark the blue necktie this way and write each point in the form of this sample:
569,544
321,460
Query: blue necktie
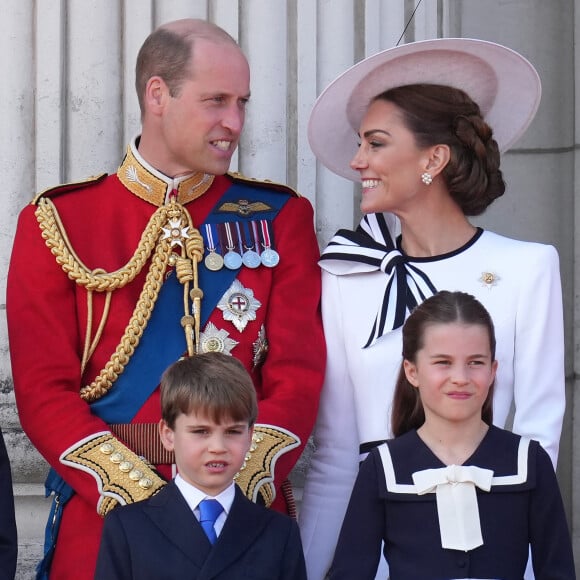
209,510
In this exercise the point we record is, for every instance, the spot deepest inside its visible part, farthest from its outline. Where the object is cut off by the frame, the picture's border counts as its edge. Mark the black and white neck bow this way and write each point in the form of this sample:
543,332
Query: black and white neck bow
367,249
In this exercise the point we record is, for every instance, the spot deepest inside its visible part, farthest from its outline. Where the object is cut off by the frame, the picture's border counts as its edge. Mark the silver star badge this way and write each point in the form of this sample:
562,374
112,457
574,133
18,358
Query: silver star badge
239,305
213,339
175,232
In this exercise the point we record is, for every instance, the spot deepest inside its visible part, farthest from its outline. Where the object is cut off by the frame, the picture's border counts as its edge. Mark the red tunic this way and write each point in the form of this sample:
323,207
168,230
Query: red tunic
47,317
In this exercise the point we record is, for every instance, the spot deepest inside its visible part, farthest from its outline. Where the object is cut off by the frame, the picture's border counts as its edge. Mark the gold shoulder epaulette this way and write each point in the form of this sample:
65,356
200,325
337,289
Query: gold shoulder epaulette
64,187
264,183
256,476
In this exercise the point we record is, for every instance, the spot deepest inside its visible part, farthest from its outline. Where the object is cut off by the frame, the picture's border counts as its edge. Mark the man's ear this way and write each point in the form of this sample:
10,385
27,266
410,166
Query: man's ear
156,94
166,434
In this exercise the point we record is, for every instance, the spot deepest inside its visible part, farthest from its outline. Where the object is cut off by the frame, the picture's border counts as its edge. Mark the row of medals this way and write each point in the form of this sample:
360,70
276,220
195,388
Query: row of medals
233,260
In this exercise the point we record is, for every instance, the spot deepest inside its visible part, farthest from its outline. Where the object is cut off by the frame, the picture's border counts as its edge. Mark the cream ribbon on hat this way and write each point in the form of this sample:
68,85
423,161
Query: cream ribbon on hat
456,502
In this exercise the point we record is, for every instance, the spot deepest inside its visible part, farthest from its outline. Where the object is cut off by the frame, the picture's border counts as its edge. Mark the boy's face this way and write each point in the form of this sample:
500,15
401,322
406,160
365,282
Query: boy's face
207,454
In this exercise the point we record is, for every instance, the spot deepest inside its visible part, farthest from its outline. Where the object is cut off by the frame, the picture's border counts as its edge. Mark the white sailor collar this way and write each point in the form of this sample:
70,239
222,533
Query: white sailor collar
519,474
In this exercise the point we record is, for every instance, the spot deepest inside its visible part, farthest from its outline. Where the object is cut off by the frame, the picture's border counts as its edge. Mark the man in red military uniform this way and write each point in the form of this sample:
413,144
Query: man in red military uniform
113,279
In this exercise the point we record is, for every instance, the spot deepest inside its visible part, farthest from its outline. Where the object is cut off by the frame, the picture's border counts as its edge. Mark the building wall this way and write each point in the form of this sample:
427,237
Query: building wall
69,108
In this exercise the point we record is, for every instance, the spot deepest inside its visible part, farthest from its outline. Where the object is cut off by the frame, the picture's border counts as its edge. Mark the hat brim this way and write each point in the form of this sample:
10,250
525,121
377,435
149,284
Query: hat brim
502,82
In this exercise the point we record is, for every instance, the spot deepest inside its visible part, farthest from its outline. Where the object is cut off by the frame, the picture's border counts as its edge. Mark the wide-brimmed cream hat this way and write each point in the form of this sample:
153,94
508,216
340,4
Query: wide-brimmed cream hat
502,82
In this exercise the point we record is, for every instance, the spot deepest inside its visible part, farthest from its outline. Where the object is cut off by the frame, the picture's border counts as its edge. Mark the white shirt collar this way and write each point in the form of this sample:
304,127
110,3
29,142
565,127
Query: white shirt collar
193,496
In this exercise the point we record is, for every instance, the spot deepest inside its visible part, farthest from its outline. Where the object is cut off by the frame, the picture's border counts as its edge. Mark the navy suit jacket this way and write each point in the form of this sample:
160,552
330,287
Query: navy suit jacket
160,538
8,540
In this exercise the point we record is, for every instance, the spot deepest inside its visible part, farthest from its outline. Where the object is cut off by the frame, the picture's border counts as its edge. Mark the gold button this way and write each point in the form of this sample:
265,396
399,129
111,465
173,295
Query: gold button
107,448
135,474
145,483
125,466
116,457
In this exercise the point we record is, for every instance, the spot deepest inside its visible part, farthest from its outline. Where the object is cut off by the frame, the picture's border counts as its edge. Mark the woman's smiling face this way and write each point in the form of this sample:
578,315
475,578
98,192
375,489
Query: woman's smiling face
388,160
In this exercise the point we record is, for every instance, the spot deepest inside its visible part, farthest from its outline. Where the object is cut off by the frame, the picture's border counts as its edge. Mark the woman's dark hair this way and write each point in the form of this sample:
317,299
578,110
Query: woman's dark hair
439,114
442,308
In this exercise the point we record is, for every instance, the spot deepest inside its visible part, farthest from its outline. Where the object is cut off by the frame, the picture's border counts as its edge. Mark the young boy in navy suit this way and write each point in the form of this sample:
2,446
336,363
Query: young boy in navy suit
208,409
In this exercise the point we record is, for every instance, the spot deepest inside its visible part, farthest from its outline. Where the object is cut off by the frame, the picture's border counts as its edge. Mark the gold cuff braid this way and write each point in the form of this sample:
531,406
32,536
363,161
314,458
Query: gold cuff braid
256,475
122,476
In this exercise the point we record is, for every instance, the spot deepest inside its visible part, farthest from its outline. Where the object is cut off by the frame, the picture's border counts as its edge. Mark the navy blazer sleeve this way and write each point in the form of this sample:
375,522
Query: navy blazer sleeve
113,561
8,538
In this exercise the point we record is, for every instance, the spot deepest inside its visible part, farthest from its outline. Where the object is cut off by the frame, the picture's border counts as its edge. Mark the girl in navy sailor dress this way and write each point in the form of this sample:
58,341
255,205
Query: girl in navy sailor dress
452,496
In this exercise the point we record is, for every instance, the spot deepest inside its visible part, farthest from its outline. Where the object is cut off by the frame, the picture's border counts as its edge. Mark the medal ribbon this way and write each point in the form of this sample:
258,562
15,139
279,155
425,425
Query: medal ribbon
246,236
239,238
255,236
209,237
231,243
221,229
266,236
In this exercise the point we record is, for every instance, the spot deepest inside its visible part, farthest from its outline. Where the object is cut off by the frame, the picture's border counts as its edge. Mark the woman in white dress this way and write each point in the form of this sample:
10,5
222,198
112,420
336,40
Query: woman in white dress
432,118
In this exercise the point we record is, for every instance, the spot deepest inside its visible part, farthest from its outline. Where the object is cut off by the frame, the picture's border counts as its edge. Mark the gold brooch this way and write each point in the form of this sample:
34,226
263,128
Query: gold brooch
489,279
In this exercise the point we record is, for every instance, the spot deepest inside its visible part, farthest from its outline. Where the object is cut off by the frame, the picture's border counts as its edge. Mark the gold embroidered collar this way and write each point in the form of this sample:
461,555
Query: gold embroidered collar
151,185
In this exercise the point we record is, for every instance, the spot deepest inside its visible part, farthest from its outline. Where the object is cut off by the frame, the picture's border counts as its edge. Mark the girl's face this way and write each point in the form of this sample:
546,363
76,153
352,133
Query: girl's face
453,372
389,162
